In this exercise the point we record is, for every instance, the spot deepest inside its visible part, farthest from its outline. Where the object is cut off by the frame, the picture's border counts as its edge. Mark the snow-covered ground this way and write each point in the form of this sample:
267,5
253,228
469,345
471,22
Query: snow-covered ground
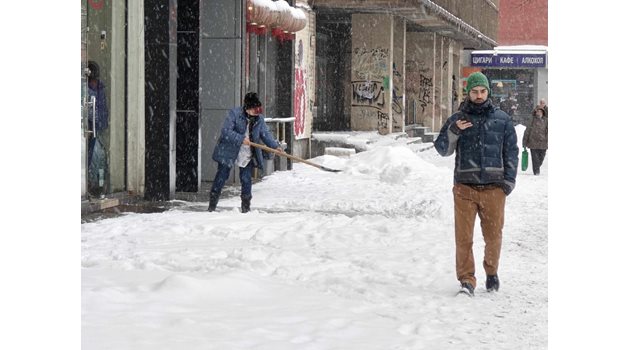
360,259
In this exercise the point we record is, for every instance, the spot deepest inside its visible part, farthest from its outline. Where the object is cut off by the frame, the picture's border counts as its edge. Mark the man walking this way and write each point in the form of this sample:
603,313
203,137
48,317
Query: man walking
485,143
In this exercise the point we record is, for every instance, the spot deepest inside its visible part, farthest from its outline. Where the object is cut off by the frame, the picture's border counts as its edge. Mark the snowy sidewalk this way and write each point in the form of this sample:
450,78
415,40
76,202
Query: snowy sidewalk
361,259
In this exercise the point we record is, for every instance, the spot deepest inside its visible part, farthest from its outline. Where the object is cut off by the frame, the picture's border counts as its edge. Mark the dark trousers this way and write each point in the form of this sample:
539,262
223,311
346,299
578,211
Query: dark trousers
538,156
245,174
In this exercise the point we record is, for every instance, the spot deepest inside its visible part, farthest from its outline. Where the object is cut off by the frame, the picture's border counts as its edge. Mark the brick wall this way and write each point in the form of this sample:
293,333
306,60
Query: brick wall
522,22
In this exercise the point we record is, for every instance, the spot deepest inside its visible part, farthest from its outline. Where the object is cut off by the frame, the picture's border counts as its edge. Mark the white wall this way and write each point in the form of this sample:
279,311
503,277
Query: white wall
135,101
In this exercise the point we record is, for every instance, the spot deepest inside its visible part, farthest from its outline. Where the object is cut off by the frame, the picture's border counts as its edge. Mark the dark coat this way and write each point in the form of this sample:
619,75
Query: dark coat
487,152
233,134
102,114
536,134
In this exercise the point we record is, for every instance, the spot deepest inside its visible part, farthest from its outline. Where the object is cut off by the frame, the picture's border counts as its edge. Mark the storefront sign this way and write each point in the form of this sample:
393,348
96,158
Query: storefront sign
508,60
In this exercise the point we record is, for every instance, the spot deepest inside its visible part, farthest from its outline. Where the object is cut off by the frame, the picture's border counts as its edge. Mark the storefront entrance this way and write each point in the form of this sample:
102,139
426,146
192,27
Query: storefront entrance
102,98
513,90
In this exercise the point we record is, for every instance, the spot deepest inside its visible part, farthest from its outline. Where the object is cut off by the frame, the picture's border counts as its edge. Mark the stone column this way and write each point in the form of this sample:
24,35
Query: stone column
421,76
371,73
135,101
398,77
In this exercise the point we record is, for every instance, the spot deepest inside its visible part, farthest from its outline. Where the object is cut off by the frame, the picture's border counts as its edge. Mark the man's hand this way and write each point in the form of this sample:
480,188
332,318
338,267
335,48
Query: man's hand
463,124
246,141
280,149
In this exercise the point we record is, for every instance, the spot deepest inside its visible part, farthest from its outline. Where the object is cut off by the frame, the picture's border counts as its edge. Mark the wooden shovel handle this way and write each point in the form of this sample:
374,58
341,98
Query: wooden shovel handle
284,154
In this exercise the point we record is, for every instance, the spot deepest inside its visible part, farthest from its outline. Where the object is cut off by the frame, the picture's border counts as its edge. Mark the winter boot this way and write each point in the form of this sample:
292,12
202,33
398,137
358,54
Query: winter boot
492,283
467,288
214,200
245,203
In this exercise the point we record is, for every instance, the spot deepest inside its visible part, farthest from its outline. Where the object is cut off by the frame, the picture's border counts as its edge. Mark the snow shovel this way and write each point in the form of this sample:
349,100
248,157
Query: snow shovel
524,159
283,154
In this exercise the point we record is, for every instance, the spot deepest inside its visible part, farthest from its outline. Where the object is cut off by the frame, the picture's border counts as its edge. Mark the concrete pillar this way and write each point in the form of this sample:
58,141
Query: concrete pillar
444,92
304,79
398,77
135,100
371,73
421,77
117,101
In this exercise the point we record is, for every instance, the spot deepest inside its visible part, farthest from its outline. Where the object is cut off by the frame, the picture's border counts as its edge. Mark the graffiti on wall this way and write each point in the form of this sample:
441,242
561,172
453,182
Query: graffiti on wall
425,89
419,85
396,94
383,120
299,96
370,82
368,94
370,64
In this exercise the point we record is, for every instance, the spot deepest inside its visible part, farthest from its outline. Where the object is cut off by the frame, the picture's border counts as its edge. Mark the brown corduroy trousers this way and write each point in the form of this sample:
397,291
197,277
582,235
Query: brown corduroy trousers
487,201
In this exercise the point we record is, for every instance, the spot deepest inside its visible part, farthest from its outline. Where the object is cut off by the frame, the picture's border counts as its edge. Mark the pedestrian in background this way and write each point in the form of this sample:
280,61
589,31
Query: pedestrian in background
242,125
98,123
536,137
543,104
485,143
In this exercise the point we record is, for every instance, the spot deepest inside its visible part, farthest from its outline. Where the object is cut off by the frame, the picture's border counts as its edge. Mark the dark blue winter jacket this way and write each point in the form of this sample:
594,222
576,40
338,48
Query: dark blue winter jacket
233,134
487,152
102,114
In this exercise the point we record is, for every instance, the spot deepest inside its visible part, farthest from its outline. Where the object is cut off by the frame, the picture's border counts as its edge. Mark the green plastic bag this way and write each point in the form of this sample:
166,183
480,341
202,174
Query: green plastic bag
524,159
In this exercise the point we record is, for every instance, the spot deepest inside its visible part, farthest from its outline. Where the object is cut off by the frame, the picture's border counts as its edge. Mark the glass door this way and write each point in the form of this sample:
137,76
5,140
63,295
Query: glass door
84,101
103,97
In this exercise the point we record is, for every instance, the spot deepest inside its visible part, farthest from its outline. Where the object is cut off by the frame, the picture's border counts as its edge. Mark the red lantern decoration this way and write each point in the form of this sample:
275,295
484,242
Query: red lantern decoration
284,14
298,21
281,19
259,11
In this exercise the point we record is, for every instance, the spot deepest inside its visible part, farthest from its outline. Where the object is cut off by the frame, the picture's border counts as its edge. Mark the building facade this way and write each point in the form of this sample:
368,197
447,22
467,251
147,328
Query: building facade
389,65
169,70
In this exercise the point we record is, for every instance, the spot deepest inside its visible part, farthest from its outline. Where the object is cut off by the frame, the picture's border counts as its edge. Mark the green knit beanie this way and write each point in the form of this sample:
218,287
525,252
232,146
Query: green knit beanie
477,79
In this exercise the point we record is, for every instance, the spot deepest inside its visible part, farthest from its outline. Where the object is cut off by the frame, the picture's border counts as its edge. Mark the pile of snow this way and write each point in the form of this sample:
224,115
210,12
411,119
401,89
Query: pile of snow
366,185
394,165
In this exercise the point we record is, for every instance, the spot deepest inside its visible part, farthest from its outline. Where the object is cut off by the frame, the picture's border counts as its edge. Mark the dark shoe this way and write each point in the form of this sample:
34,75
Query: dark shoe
492,283
245,203
214,200
468,289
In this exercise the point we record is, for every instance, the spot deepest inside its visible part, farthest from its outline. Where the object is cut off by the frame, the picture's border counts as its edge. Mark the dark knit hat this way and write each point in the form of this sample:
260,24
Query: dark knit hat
94,70
477,79
251,101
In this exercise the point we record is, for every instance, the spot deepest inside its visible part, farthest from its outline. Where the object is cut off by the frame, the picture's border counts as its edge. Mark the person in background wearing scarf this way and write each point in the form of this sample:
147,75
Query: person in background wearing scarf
242,125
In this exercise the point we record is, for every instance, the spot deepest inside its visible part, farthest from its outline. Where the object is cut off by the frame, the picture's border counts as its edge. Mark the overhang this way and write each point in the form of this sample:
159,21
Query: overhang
421,16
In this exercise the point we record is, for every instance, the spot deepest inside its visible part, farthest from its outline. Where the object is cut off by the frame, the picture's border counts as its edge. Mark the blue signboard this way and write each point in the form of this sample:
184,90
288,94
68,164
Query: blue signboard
534,60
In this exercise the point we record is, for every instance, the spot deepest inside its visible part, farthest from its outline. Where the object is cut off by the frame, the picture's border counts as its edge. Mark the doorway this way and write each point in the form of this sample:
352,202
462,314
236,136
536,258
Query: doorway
102,98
